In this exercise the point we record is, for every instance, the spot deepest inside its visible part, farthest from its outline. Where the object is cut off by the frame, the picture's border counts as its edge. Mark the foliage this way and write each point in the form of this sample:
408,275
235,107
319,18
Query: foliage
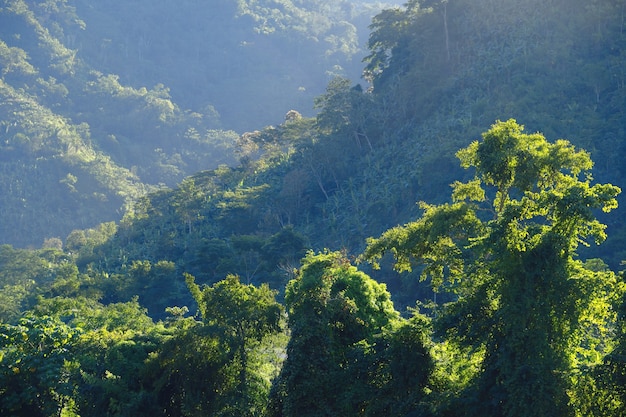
37,362
241,316
349,350
527,321
27,274
521,294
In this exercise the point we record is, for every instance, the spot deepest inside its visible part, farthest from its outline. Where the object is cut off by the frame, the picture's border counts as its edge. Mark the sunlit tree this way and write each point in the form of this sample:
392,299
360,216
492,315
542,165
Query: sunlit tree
506,246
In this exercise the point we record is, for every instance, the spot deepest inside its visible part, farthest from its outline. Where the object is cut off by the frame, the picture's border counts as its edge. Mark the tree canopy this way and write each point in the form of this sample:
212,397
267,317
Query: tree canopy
506,247
349,348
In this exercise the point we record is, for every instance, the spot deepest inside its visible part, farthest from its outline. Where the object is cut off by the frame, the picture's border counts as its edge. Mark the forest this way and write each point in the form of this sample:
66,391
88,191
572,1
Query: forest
277,208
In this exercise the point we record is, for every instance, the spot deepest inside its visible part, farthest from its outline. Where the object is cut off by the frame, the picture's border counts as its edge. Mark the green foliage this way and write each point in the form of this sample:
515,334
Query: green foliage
36,361
242,317
524,325
192,373
600,388
240,311
110,373
522,296
26,274
349,350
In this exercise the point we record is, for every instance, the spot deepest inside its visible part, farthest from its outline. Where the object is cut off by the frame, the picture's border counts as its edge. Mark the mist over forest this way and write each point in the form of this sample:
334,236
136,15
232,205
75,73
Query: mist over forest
251,62
280,208
103,102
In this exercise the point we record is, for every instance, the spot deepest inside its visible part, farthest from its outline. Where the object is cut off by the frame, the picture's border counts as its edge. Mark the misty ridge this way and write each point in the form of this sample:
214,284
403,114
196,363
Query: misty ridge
112,100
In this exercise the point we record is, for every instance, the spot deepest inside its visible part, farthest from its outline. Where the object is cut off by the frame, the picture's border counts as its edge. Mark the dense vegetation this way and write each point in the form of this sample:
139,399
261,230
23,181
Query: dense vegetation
279,283
113,100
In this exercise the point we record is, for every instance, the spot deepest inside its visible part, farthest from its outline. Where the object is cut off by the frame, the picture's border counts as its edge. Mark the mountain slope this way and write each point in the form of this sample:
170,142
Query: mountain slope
82,134
359,167
252,60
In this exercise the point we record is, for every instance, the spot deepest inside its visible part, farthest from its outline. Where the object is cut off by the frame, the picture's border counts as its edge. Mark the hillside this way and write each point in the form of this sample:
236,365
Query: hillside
440,75
359,167
252,61
102,102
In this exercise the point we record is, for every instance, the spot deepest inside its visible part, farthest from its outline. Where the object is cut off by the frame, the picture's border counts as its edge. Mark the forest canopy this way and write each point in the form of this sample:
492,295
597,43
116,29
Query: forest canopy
443,238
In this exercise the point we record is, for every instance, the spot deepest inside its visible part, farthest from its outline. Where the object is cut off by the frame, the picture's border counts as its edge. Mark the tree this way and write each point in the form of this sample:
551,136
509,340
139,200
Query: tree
347,344
108,364
242,316
605,384
36,361
387,29
506,246
192,373
187,203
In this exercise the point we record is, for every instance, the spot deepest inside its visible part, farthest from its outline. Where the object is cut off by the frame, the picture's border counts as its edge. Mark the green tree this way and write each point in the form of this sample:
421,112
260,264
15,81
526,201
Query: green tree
36,361
192,372
603,387
347,345
187,203
507,246
242,316
110,363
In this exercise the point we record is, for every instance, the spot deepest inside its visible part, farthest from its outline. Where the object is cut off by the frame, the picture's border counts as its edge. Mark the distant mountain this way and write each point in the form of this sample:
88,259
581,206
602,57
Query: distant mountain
102,101
251,60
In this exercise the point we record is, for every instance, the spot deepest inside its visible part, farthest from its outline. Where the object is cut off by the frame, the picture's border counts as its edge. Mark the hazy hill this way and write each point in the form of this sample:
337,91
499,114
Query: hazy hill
102,101
253,61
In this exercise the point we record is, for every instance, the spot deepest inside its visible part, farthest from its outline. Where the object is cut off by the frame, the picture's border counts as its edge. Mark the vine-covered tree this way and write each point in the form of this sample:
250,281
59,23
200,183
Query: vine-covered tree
506,246
349,349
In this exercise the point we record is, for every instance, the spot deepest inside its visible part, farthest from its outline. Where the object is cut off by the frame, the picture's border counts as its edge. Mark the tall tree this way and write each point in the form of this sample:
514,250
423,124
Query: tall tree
347,345
242,316
507,247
